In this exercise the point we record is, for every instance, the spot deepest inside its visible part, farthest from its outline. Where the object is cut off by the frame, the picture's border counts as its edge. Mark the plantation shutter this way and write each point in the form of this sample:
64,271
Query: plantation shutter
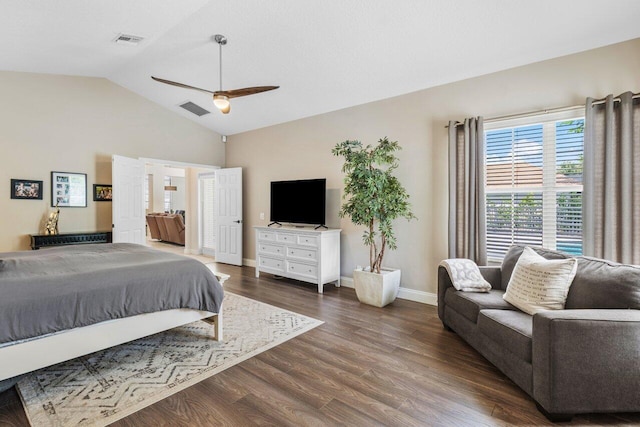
514,188
534,185
569,147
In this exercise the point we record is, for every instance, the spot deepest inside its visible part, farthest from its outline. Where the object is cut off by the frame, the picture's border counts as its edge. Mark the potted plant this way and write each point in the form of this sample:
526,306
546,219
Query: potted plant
373,197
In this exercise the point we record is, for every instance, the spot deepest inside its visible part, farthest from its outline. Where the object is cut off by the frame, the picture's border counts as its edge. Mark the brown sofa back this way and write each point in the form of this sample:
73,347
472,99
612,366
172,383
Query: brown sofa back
153,226
175,228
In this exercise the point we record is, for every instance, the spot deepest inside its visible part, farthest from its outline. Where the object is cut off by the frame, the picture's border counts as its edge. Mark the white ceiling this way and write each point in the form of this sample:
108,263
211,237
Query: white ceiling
325,55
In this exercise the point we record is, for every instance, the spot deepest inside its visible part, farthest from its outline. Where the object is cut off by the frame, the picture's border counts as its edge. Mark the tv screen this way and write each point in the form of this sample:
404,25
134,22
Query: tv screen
300,202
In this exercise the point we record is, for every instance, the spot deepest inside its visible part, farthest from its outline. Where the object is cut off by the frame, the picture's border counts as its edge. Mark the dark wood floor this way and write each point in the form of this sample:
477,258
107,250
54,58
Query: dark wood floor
364,366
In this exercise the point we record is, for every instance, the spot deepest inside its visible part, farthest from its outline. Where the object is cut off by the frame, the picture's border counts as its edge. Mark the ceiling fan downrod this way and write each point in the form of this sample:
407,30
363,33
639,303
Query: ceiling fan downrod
220,101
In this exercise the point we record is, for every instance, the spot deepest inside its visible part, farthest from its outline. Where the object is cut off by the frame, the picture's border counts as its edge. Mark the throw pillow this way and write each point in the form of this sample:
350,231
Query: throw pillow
538,283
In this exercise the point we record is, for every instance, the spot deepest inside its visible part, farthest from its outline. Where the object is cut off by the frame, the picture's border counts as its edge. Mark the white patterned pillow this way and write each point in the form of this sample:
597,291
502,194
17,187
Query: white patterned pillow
538,283
465,275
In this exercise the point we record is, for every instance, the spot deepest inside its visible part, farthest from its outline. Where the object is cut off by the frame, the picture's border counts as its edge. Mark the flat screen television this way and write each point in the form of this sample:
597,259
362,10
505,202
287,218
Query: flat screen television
298,202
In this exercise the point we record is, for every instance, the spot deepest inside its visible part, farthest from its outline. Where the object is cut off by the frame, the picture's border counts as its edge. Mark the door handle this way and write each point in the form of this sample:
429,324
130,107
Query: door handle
238,221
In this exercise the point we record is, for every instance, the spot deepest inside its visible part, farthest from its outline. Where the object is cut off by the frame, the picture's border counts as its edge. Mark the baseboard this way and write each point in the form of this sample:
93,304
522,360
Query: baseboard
405,293
192,251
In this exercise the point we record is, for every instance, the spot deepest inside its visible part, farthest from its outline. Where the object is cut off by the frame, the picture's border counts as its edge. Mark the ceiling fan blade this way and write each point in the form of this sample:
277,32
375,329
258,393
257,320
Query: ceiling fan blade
182,85
235,93
226,110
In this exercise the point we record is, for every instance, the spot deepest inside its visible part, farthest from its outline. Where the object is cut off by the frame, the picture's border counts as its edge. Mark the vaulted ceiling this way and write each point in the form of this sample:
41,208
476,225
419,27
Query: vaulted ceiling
325,55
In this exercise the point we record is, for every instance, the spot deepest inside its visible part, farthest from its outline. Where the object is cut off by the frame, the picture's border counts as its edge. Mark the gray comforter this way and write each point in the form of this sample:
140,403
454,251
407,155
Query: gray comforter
55,289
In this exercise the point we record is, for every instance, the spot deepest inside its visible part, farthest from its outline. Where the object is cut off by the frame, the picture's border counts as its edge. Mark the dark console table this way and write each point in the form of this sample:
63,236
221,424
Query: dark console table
45,240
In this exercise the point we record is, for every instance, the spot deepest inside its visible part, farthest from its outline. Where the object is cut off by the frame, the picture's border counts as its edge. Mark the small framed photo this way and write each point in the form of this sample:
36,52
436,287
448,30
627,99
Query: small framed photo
69,189
26,189
102,193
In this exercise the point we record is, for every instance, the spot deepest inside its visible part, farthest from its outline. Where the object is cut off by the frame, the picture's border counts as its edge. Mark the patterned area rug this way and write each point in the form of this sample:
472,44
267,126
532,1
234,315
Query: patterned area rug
103,387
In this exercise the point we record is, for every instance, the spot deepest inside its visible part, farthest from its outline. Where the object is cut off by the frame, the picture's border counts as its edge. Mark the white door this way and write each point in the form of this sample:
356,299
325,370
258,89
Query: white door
228,209
128,214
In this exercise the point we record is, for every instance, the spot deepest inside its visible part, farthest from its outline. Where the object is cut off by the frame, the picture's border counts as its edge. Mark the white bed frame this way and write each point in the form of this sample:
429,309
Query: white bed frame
38,353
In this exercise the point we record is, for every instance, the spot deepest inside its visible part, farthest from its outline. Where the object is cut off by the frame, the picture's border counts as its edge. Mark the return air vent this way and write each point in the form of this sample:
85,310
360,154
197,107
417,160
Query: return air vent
128,39
194,108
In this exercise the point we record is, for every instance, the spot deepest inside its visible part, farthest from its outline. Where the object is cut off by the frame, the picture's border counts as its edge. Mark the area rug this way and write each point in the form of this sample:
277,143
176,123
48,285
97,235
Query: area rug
103,387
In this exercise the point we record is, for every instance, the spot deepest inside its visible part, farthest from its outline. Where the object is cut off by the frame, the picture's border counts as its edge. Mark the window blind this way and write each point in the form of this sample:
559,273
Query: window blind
534,185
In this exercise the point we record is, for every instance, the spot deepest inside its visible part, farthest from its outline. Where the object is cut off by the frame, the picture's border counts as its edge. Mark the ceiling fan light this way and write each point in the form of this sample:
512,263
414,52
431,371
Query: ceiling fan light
221,101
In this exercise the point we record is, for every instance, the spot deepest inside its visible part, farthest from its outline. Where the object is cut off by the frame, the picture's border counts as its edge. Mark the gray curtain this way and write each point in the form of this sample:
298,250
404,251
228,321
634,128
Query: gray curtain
467,216
611,197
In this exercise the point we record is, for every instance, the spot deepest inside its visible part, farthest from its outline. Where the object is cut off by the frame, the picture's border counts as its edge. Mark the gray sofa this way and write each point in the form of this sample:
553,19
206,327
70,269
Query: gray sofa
583,359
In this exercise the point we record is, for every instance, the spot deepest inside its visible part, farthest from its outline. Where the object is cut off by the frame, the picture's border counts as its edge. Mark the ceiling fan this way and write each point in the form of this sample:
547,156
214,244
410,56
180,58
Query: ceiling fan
221,97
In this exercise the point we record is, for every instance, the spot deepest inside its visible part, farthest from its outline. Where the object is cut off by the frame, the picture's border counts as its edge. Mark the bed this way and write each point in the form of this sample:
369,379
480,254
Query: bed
61,303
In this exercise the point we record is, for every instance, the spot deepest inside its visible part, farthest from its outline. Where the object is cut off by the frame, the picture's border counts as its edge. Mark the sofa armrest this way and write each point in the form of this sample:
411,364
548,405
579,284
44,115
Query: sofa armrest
493,275
587,360
490,274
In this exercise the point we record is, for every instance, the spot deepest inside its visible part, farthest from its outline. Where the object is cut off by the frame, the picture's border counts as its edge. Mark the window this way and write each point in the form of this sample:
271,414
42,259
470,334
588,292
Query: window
534,183
167,194
147,191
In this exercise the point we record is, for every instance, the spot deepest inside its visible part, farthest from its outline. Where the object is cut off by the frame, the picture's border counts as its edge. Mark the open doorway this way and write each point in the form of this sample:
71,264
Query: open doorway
172,191
166,195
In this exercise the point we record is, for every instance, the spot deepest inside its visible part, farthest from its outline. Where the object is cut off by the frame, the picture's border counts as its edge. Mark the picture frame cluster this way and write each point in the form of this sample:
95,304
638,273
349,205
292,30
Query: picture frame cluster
68,189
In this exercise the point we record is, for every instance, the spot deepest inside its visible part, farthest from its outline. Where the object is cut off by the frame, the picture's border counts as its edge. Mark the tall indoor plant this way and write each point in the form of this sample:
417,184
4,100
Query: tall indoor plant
373,197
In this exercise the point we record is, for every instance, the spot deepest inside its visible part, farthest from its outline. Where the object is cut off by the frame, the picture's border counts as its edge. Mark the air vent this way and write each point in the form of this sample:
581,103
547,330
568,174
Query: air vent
194,108
128,39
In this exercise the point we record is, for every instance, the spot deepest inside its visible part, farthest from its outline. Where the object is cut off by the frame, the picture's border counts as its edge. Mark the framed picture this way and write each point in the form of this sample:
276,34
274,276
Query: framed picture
26,189
69,189
102,192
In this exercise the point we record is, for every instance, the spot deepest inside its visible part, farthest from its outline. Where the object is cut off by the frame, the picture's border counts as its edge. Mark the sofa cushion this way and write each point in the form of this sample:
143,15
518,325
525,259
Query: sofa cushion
469,304
604,284
513,254
510,329
540,284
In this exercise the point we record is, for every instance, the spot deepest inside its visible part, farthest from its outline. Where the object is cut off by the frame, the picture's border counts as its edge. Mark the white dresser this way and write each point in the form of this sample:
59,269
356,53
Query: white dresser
299,253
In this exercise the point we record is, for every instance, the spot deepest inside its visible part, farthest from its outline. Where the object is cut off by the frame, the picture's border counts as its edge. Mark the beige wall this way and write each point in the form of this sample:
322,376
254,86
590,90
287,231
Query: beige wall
74,124
302,149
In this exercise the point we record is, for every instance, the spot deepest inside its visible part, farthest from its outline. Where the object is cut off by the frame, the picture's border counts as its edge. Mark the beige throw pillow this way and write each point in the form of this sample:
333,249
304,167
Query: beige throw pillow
538,283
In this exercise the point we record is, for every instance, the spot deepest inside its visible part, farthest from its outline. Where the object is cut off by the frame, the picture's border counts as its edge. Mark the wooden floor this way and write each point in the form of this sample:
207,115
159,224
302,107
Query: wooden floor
364,366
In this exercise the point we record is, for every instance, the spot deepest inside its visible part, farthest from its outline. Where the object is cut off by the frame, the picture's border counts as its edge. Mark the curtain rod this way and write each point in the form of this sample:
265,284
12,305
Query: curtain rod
548,110
616,99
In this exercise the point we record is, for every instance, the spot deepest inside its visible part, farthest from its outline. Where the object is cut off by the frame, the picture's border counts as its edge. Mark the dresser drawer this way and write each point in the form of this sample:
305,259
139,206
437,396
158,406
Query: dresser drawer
286,238
267,248
300,253
307,240
302,269
271,263
267,235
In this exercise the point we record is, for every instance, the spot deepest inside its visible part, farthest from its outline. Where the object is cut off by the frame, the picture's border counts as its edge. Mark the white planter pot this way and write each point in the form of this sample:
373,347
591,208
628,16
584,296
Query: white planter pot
377,289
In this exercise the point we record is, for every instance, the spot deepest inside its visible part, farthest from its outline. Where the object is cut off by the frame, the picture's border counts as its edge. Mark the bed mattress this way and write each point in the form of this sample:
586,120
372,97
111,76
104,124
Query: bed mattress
51,290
